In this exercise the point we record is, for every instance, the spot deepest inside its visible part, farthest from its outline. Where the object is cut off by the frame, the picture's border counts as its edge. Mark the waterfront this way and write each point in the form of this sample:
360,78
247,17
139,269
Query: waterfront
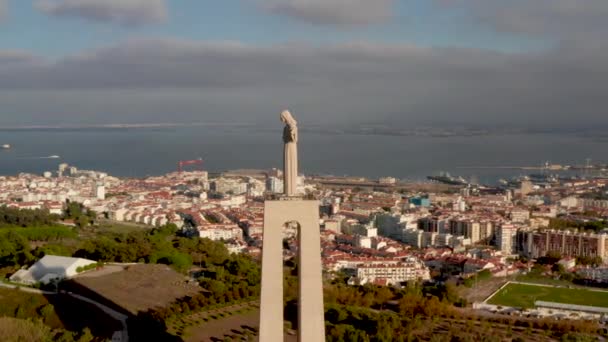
137,152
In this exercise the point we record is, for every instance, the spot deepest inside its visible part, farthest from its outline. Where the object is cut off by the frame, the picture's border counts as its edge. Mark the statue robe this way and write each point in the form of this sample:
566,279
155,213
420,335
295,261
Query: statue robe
290,160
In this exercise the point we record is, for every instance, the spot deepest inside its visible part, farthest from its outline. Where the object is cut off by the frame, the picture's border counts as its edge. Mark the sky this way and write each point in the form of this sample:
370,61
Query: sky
335,62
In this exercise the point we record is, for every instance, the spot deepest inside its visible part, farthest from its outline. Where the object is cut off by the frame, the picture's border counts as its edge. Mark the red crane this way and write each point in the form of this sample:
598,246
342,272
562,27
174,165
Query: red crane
182,163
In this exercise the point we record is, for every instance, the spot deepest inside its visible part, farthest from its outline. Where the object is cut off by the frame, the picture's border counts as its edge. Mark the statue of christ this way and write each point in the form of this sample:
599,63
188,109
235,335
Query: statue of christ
290,157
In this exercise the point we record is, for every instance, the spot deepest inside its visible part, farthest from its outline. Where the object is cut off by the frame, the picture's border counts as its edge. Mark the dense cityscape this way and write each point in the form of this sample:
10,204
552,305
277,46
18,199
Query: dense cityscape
374,234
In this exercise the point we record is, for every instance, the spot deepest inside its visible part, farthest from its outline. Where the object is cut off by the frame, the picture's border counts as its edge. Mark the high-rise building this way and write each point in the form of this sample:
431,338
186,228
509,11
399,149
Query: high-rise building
567,243
388,225
229,185
486,231
100,191
274,184
467,228
459,205
62,169
506,236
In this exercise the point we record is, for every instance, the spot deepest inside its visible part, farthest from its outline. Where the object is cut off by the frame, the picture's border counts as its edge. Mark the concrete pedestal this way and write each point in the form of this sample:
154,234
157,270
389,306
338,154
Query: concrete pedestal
310,303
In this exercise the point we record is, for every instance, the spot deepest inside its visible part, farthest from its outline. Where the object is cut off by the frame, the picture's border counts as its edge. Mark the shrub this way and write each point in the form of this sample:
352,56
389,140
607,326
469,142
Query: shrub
47,311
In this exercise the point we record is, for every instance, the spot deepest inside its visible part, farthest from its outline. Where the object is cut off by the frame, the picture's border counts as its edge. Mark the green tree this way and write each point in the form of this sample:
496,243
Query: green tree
558,268
21,312
86,336
382,295
47,311
14,249
53,249
14,330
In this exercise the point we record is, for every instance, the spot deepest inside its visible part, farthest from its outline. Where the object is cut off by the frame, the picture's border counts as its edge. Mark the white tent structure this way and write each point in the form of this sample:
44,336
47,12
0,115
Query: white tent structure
50,267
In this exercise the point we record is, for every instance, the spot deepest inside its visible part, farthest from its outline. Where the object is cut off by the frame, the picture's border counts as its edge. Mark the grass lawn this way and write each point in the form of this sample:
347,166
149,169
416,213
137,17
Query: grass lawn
523,295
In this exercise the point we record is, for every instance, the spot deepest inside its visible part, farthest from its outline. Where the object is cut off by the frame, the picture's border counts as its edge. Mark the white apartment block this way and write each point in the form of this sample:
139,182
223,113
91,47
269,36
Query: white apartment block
520,215
393,272
221,232
505,238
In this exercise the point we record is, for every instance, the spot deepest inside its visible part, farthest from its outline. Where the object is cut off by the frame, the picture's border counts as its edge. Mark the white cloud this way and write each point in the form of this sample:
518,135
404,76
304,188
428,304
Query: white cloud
124,12
333,12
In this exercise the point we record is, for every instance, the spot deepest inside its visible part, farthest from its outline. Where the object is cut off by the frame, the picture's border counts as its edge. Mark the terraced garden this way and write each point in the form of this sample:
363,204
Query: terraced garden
238,322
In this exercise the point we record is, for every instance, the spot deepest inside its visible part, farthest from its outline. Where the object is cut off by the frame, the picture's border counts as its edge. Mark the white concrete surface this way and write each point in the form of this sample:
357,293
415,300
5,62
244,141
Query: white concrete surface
310,303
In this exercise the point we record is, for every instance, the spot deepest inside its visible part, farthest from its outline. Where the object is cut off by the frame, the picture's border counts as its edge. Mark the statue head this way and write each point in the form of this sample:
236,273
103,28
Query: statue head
288,119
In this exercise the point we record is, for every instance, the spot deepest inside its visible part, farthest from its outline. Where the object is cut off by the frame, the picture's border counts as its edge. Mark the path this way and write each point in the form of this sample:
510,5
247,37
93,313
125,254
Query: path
27,289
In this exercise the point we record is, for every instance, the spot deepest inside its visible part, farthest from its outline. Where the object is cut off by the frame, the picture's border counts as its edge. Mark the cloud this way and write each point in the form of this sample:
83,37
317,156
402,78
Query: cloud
3,9
345,82
13,57
124,12
333,12
558,18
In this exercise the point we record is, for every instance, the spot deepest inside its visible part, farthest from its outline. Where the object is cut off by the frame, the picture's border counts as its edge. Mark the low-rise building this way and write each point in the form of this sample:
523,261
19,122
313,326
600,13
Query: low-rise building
49,268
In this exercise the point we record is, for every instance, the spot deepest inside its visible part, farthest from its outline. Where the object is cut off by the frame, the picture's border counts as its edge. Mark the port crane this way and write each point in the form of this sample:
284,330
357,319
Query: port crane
182,163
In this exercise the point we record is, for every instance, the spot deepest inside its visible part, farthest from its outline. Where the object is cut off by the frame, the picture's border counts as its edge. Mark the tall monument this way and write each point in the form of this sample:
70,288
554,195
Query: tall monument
290,153
277,214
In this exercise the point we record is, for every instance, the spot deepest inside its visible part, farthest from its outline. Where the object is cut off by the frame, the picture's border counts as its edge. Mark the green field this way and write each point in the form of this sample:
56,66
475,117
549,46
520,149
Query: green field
524,295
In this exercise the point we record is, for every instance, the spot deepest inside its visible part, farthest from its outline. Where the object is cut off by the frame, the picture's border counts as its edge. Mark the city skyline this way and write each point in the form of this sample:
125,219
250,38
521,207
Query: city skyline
472,62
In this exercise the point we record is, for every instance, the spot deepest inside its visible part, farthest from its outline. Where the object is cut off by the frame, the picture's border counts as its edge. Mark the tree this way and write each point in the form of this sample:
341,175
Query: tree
558,268
26,217
86,336
382,295
12,329
180,261
47,311
335,315
82,221
14,249
21,312
53,249
550,258
567,276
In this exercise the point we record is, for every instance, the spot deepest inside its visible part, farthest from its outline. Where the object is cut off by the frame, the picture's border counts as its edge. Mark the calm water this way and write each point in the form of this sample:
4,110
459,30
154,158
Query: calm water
141,152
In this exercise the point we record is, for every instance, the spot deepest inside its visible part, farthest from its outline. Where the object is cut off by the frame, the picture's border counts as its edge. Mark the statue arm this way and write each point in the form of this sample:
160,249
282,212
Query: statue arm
294,134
